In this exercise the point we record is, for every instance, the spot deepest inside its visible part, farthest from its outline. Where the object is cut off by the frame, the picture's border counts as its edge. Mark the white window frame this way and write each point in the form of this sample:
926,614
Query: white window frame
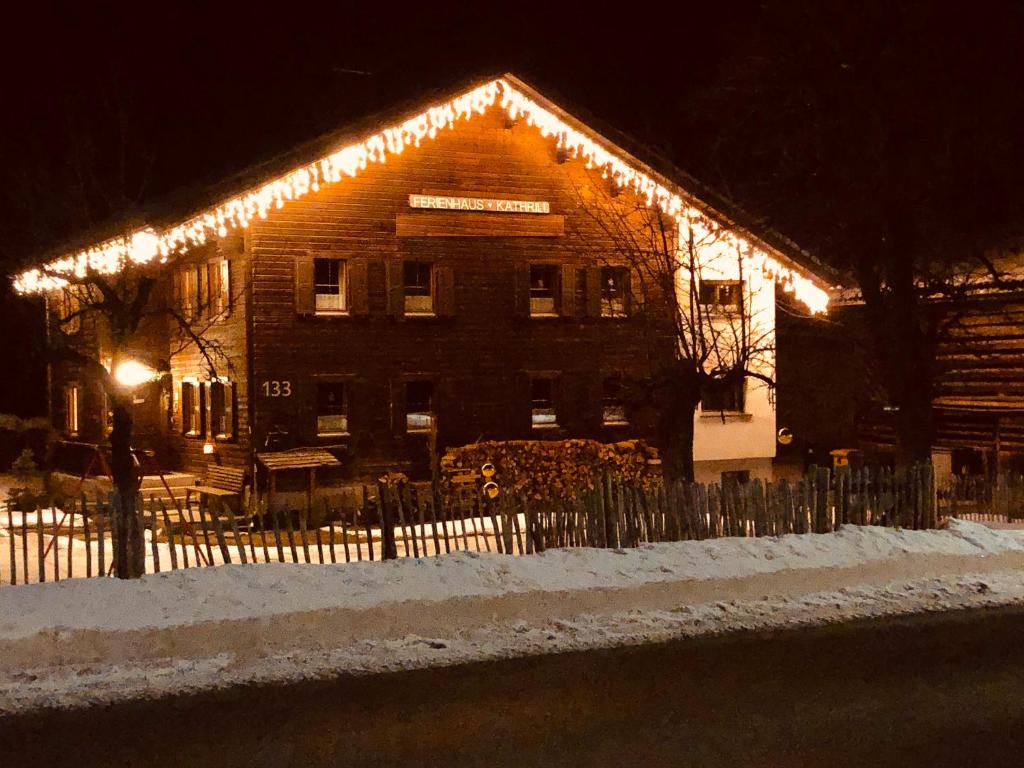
719,412
339,301
544,306
543,417
614,306
420,421
419,304
340,426
612,415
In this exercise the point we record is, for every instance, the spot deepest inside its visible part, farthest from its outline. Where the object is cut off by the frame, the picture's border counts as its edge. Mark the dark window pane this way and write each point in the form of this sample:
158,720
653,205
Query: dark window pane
418,396
416,276
613,291
329,284
542,280
330,398
542,403
331,408
613,410
724,396
419,408
540,393
720,293
326,272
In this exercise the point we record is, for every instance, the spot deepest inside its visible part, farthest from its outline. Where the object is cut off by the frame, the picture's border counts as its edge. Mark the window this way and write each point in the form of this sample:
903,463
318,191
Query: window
192,408
71,403
190,293
542,404
613,291
222,416
331,408
417,277
721,295
724,396
218,279
613,412
543,283
736,477
329,285
70,306
419,406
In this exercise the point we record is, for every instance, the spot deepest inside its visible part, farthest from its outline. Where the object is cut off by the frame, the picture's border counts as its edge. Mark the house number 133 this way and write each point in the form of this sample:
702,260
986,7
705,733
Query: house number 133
277,388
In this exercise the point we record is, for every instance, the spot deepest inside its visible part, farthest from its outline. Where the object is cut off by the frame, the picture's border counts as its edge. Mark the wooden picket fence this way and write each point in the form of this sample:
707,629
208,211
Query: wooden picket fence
77,538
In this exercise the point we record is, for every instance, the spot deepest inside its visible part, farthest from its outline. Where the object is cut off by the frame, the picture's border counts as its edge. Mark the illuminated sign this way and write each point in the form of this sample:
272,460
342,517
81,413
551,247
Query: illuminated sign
483,204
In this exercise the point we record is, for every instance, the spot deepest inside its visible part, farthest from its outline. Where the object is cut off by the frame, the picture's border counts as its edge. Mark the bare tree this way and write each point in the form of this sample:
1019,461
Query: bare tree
708,320
894,165
130,321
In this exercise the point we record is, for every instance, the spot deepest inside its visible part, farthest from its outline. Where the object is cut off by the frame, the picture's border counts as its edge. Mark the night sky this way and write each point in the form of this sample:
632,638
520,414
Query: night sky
108,109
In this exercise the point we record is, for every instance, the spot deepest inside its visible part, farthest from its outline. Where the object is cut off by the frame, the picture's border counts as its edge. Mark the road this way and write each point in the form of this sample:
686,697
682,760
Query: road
933,690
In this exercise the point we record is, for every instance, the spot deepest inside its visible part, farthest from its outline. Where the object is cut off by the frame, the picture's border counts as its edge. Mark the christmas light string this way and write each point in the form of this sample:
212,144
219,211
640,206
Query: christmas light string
147,244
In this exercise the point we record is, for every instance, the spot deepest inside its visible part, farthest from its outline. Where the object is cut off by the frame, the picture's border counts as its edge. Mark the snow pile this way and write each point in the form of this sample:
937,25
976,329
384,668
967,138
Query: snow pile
201,627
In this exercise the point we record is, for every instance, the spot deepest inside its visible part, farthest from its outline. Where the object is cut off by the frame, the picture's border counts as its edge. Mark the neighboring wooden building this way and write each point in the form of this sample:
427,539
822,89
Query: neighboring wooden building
458,291
830,400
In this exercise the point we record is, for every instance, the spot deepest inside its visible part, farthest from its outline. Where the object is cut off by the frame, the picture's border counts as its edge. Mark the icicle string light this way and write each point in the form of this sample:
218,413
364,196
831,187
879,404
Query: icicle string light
147,245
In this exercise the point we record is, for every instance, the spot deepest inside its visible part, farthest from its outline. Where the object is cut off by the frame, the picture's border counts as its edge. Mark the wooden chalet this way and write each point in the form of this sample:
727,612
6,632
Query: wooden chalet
429,278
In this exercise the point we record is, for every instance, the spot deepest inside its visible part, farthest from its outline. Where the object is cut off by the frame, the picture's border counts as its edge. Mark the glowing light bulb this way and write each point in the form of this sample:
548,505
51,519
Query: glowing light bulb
142,246
132,373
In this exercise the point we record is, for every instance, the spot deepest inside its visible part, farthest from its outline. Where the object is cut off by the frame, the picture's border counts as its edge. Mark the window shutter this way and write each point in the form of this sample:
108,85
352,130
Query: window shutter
205,414
445,293
567,284
358,282
212,273
233,400
183,405
395,287
224,268
521,286
398,416
593,291
305,303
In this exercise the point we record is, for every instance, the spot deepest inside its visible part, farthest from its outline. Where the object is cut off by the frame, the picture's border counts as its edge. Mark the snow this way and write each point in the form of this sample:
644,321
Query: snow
96,640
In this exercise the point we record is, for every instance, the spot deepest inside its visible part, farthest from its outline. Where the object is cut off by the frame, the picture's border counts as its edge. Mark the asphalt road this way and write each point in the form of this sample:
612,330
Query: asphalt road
935,690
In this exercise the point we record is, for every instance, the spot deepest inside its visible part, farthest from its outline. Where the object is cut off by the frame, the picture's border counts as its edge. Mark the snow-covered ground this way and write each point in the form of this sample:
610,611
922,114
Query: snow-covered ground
97,640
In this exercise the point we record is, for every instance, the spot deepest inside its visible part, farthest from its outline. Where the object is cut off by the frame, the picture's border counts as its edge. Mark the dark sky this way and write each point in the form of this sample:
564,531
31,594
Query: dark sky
198,90
110,107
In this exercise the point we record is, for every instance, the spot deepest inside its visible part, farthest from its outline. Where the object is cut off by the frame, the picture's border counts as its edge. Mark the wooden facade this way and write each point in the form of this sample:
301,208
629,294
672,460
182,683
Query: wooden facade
431,304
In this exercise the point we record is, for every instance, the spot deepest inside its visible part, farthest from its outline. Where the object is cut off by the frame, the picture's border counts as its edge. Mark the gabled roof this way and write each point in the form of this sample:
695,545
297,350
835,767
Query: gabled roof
188,221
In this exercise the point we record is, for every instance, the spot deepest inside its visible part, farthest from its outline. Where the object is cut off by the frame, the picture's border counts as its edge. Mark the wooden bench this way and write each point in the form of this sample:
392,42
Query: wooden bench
225,484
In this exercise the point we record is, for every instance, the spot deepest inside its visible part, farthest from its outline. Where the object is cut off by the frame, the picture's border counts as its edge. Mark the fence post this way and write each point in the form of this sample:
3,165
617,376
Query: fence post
389,550
821,489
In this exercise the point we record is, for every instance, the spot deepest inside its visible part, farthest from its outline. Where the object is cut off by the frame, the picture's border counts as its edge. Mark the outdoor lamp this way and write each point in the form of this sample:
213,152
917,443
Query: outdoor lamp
491,489
487,470
207,449
132,373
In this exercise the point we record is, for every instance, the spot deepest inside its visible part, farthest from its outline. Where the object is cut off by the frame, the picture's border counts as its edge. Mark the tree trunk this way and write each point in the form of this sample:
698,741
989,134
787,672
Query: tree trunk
130,553
903,332
675,426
